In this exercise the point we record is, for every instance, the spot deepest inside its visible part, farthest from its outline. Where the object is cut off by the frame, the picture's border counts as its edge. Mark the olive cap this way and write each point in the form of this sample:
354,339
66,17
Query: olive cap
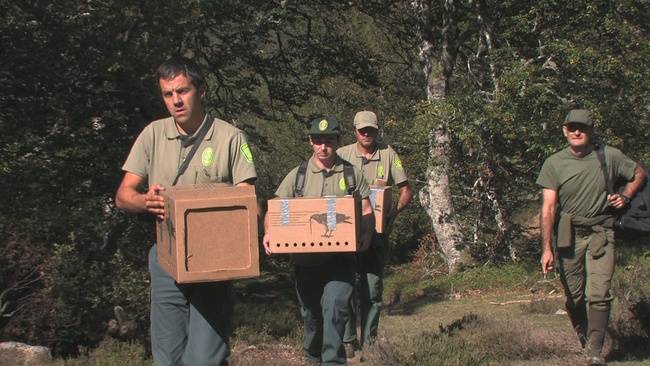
582,116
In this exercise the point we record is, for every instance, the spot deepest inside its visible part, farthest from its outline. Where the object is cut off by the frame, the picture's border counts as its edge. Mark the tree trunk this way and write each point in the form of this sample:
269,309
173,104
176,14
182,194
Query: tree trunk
438,65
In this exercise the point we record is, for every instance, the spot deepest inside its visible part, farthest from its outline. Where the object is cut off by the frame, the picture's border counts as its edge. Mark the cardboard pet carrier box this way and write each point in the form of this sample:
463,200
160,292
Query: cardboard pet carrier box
209,233
314,225
380,199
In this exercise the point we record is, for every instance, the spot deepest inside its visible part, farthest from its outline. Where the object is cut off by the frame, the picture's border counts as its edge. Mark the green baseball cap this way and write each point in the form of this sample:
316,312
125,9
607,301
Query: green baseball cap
327,125
582,116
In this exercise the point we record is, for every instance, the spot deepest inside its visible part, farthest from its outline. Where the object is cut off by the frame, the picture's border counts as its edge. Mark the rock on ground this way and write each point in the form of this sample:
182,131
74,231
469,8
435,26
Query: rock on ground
20,354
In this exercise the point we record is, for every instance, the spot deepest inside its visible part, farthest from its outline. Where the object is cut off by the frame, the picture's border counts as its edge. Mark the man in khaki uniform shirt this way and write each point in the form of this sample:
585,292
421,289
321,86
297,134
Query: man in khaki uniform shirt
575,195
189,323
324,281
379,163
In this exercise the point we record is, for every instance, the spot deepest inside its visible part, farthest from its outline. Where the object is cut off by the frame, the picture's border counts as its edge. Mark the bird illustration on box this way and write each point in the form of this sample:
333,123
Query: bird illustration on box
321,218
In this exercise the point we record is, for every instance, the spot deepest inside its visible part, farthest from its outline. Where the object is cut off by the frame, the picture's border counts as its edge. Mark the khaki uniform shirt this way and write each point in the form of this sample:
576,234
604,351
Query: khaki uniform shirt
383,164
320,183
579,182
224,156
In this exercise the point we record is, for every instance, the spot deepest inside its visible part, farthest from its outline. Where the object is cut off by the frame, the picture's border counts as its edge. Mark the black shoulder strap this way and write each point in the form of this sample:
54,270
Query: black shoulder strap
197,141
299,184
600,152
350,180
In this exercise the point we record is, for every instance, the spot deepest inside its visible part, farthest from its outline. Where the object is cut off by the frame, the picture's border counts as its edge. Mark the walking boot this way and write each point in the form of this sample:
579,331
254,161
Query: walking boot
578,317
597,329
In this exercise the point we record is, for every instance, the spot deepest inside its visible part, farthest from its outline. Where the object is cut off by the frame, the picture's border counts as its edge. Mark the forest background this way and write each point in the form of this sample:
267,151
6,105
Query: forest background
471,93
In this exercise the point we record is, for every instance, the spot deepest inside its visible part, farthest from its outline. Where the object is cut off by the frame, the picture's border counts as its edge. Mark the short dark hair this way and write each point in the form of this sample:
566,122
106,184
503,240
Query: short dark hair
181,65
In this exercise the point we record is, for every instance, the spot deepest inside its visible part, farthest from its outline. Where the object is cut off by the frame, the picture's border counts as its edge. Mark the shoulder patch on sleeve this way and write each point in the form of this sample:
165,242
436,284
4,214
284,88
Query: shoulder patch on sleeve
398,164
246,152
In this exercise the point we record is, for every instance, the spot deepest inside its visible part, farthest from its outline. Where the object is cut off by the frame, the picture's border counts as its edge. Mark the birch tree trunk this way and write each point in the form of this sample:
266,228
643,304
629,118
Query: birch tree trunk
437,51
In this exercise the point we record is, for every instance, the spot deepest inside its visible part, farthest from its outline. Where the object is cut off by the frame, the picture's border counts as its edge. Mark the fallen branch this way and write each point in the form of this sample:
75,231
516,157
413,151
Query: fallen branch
527,301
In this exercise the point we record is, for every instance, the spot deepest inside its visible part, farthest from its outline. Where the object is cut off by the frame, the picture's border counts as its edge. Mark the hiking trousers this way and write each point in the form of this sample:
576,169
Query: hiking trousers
369,290
587,276
189,323
324,293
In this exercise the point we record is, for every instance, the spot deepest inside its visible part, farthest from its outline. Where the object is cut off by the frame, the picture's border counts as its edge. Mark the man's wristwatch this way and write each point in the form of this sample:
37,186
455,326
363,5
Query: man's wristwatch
626,199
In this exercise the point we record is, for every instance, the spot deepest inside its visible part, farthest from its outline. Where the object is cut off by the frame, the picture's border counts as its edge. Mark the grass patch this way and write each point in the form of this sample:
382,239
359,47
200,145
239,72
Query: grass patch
266,310
470,340
406,283
110,352
542,306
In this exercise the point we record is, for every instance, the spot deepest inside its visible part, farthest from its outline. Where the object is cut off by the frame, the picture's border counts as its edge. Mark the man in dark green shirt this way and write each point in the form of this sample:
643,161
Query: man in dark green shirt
573,183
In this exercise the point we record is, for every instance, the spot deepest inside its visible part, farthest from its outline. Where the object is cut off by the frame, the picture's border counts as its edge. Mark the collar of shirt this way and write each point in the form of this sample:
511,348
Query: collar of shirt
375,155
336,168
171,131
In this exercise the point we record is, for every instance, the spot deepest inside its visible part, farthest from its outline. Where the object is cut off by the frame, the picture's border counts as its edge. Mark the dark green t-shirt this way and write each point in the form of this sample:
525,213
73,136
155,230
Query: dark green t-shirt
580,183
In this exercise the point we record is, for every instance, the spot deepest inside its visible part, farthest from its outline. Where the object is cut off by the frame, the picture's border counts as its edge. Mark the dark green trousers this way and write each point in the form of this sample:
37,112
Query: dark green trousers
586,269
190,324
324,293
369,289
585,275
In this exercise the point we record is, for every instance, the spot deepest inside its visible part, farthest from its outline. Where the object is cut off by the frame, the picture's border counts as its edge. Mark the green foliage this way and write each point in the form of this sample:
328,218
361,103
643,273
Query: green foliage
77,309
506,104
630,320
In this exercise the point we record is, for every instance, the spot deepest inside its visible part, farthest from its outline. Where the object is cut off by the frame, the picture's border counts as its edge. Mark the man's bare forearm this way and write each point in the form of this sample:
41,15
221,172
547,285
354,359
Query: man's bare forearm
547,221
633,186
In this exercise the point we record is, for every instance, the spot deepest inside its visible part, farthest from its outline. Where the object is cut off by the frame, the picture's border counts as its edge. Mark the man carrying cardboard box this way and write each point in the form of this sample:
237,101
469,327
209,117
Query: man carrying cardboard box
189,323
324,281
380,165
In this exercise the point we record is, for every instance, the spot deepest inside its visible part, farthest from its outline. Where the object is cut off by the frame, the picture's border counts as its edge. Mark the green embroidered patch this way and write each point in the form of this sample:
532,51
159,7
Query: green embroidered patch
342,185
380,171
246,151
207,157
398,164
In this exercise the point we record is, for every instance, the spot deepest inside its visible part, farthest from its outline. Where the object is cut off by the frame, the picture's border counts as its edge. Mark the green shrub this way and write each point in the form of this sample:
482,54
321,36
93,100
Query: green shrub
630,319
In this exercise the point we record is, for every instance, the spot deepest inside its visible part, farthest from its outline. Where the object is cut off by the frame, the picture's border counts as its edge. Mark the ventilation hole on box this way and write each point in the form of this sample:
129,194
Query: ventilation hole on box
285,244
304,244
321,243
338,243
329,243
346,243
312,243
295,244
